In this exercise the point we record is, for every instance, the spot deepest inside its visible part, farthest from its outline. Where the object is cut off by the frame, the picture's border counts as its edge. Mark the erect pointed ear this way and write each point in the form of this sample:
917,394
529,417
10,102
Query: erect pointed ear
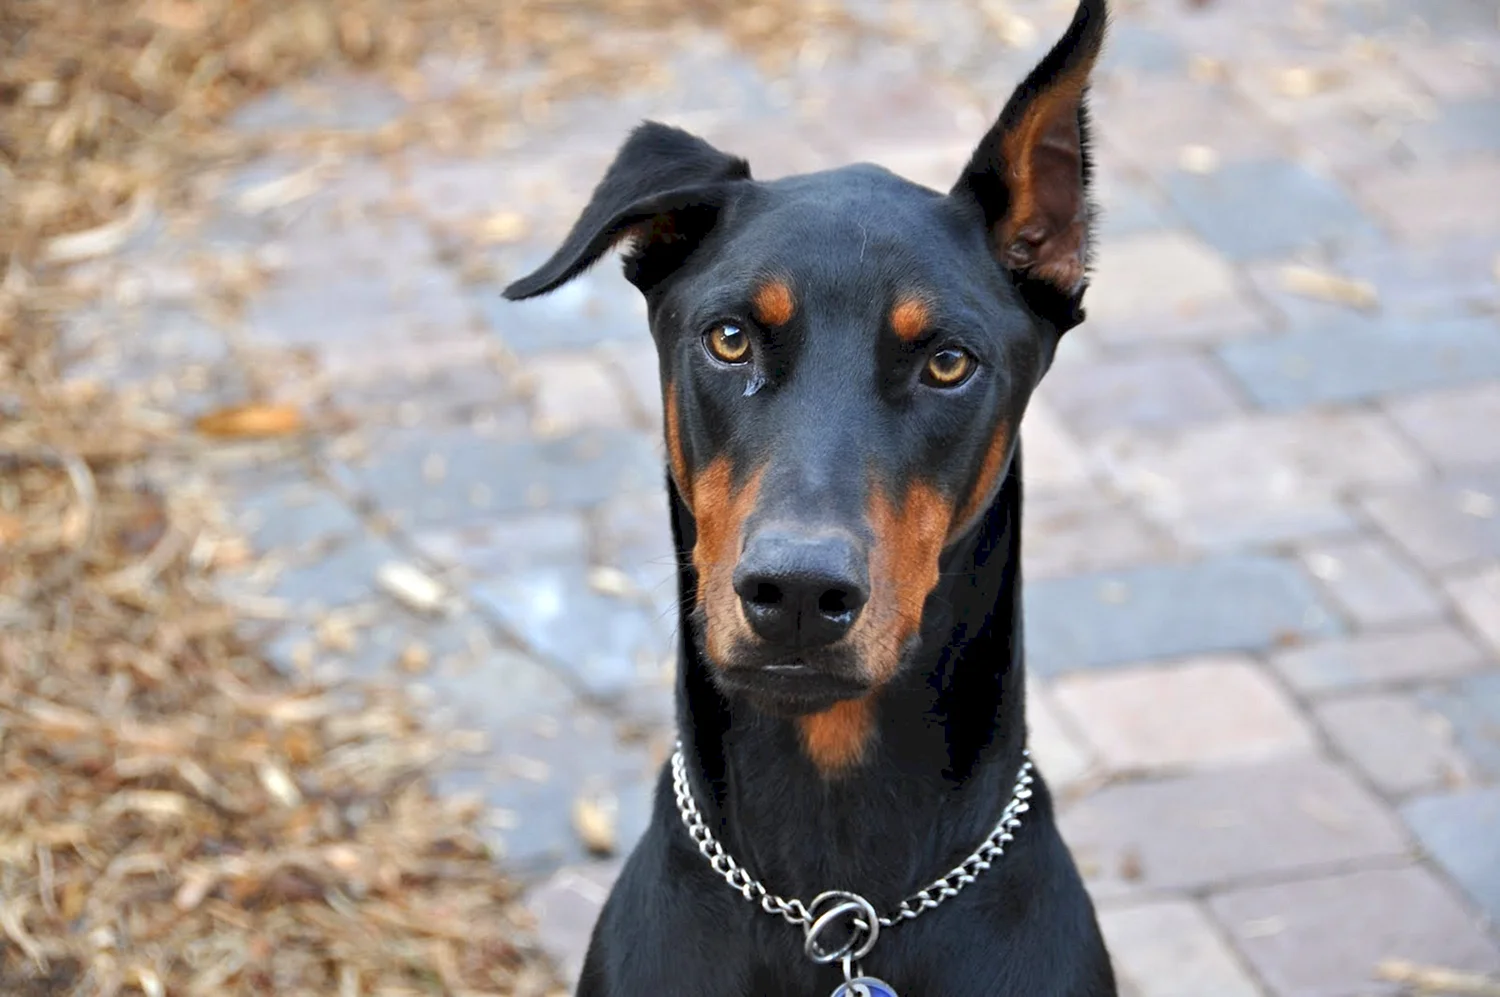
1030,173
664,189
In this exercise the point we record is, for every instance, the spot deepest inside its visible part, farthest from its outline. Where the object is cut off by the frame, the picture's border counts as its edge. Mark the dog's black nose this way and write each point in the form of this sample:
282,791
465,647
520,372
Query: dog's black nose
802,590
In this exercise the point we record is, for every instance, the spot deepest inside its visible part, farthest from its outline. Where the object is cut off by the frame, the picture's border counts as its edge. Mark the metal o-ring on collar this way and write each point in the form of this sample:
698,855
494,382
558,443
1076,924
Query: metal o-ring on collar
866,926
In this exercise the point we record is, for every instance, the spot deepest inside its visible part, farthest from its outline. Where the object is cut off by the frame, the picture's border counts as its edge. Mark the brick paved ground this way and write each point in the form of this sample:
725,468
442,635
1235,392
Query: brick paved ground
1264,522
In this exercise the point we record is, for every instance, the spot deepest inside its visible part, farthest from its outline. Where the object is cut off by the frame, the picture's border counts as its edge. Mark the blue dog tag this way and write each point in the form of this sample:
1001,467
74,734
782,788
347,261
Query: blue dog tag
864,986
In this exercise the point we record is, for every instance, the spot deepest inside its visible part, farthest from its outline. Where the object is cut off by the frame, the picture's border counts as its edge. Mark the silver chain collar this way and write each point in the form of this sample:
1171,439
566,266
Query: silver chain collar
827,907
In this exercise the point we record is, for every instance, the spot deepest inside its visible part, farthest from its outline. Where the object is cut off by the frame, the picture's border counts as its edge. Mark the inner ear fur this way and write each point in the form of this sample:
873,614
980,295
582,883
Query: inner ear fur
663,192
1030,172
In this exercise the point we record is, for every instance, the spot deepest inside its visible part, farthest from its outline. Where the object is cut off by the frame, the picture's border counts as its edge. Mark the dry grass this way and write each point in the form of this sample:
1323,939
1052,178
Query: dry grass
176,817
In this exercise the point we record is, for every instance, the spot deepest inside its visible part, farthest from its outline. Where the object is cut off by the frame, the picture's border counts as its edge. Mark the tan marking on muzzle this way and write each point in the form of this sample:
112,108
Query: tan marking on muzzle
989,477
903,572
720,511
676,457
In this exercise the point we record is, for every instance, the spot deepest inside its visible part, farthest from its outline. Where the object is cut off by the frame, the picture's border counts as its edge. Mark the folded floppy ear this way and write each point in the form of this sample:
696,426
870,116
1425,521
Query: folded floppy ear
1030,174
664,189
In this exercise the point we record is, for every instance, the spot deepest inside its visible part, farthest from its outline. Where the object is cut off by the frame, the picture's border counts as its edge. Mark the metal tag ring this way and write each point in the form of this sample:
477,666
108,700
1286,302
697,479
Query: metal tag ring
861,939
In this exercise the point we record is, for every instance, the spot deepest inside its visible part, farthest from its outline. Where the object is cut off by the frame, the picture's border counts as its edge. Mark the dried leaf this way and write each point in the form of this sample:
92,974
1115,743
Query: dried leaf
248,421
503,227
1436,980
1330,287
411,586
99,241
595,823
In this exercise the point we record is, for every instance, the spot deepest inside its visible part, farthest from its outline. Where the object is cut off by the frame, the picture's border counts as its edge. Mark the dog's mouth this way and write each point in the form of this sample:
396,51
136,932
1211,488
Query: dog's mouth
791,687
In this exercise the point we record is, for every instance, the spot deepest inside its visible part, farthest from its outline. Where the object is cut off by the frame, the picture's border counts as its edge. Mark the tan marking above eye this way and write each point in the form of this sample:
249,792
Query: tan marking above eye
773,303
909,319
728,342
948,367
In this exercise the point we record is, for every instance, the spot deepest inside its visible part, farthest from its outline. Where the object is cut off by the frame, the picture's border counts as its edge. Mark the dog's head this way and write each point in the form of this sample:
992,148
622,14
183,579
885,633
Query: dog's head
845,360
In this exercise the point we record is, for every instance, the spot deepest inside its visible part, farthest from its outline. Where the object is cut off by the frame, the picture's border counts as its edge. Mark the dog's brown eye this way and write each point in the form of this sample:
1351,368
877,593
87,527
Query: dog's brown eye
948,368
728,343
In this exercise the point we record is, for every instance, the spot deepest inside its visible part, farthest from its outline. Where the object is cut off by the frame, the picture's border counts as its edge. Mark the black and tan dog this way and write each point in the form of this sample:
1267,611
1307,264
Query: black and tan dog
845,359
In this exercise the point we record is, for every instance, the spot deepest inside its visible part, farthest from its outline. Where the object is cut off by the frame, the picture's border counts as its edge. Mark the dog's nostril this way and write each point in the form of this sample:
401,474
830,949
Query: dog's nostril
767,594
834,602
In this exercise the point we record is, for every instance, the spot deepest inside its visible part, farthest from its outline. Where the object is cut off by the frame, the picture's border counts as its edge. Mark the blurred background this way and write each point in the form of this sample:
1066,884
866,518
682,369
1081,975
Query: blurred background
335,593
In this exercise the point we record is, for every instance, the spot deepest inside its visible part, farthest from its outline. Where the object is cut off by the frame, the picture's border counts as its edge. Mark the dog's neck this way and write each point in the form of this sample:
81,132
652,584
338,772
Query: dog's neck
948,738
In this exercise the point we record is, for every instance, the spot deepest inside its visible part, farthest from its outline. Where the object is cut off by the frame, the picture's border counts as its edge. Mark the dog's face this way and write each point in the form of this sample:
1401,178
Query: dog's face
845,361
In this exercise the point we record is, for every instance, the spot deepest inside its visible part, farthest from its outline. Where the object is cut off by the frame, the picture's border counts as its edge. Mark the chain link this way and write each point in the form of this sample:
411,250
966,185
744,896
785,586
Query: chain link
795,911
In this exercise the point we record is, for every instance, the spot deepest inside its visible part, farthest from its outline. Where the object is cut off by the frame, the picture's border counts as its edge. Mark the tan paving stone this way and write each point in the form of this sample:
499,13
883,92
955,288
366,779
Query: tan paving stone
1197,714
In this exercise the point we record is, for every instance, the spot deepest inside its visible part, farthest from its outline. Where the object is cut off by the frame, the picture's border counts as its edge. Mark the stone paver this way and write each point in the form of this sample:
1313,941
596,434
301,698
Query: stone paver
1477,597
1326,937
1371,584
1360,363
1164,287
1203,713
1446,424
1267,207
1400,746
1170,949
1435,204
1263,520
1462,832
1376,659
1159,392
1445,525
1472,706
1282,818
1164,611
1284,482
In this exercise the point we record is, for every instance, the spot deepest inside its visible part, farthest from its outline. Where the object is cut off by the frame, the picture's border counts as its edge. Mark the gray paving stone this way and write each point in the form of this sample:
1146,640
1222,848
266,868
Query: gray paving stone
572,391
1261,479
1462,127
1438,203
1358,363
1165,286
534,775
502,545
293,515
1446,424
566,907
634,535
1376,659
1226,603
1325,937
1162,391
1170,949
1476,596
1448,524
1283,818
1127,207
1078,531
449,479
1371,584
1259,208
1137,48
1450,279
1150,120
343,576
1472,706
1462,832
596,308
610,644
1401,746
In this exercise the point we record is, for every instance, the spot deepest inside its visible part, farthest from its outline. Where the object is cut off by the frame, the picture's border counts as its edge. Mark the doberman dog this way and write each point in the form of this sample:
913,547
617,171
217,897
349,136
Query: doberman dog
845,360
